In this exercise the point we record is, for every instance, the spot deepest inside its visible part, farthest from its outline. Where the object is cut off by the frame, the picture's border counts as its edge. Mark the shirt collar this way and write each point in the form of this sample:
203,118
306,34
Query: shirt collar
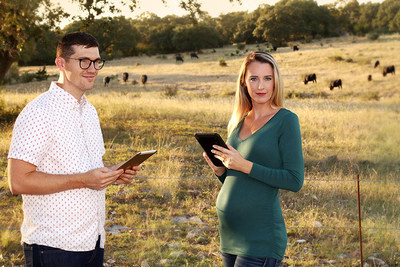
66,98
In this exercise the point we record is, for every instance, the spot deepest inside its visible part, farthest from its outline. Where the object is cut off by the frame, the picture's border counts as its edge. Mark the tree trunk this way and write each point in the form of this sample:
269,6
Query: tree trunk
6,61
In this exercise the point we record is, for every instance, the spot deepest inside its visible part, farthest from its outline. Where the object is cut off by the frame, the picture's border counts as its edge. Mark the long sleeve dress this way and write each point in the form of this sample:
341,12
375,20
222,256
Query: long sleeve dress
250,216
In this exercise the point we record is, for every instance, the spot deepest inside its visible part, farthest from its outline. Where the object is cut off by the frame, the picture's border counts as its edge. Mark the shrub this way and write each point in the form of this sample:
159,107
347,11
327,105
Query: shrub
374,95
241,46
336,58
9,114
27,77
293,94
41,74
222,62
170,91
373,36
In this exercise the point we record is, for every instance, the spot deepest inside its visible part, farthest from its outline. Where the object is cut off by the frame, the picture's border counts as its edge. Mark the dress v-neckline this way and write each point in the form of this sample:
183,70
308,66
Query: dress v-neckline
241,124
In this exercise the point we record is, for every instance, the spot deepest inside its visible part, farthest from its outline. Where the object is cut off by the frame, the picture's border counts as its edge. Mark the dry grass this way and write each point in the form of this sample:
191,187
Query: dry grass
345,132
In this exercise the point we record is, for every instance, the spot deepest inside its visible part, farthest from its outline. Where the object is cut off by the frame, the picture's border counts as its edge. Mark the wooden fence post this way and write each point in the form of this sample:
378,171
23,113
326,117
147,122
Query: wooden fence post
359,219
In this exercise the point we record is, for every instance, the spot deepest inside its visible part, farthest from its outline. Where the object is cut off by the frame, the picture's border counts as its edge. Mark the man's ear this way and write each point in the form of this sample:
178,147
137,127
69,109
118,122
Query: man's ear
60,63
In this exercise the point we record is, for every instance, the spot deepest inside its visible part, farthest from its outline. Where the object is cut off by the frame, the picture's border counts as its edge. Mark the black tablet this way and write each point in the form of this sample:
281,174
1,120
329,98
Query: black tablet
207,140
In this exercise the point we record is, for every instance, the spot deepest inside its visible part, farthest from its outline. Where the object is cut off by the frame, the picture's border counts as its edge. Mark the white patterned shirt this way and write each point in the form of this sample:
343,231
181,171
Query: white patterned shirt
61,135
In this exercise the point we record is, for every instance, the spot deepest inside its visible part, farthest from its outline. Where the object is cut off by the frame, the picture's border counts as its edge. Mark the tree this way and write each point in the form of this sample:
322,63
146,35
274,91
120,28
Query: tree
192,38
388,15
292,20
160,39
368,13
227,25
280,24
20,22
349,15
245,28
41,50
117,36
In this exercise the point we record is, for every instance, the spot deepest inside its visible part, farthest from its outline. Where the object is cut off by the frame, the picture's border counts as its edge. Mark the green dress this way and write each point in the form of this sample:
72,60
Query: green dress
248,207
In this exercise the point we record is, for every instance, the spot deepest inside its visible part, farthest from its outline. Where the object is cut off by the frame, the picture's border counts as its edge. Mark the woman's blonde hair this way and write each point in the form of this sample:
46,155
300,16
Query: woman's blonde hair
243,102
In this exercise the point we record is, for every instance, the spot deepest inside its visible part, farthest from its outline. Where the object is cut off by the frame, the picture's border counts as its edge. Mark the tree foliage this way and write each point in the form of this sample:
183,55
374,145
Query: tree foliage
117,37
291,20
29,31
20,22
176,34
227,25
388,16
23,20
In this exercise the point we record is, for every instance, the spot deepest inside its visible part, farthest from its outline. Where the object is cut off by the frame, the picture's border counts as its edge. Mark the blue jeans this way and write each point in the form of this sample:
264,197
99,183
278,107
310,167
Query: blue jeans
230,260
43,256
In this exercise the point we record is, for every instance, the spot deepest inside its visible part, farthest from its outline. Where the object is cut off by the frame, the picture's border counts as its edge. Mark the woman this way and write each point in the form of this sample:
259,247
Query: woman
264,155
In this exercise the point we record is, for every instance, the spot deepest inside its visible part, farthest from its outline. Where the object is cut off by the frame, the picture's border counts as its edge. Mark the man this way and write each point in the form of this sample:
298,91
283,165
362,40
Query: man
55,162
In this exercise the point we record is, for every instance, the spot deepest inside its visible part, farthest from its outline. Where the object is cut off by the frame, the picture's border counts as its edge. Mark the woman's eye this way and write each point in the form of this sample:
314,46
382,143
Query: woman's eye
253,79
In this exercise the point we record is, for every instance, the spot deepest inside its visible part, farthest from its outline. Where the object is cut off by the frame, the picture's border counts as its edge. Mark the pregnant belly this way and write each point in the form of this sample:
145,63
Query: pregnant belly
240,201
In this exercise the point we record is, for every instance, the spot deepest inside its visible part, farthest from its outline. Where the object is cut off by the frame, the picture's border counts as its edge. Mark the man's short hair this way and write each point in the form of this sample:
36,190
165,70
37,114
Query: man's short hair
65,49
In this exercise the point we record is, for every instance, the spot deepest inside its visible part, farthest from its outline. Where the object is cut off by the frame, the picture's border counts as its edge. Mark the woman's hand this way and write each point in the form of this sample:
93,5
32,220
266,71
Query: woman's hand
217,170
232,159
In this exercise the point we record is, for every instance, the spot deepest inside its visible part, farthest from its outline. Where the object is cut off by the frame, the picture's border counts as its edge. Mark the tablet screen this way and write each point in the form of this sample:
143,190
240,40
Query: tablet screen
207,140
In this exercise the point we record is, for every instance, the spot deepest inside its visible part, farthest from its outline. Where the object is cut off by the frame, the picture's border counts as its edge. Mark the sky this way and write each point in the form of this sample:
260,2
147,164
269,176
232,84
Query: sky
213,7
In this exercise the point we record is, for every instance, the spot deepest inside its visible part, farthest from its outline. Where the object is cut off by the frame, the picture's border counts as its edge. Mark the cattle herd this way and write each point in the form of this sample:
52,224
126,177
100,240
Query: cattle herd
307,78
144,77
338,83
125,77
179,57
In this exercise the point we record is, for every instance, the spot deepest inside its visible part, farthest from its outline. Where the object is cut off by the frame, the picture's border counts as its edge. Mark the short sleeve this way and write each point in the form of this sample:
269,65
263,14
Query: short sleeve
31,136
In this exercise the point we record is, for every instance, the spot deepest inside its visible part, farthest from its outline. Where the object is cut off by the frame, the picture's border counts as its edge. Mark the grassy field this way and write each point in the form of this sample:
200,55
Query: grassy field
160,220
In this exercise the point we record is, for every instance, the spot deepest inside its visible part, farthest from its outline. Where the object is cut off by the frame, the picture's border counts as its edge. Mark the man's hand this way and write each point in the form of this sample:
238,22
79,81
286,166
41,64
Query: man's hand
128,175
98,179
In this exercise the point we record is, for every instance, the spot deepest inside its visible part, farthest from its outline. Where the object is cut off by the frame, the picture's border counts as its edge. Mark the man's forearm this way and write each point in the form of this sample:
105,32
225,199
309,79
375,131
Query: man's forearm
24,179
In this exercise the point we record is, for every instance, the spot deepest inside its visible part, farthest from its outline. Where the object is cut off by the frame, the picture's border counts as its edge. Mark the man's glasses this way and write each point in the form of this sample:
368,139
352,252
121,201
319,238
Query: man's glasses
84,63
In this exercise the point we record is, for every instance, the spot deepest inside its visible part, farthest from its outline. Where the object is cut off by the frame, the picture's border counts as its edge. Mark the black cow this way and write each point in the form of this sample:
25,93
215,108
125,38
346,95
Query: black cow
144,79
388,69
310,78
178,58
335,83
125,76
295,48
106,80
376,64
193,55
369,77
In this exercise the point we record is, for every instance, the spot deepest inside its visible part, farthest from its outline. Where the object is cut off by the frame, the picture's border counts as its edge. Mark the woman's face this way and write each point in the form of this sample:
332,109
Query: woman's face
259,80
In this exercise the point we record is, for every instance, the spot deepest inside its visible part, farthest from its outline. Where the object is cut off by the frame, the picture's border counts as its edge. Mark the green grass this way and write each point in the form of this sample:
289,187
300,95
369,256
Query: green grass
345,132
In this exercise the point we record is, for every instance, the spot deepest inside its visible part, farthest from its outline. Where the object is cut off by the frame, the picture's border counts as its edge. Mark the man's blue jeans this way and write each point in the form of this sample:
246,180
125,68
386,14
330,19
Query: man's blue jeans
230,260
43,256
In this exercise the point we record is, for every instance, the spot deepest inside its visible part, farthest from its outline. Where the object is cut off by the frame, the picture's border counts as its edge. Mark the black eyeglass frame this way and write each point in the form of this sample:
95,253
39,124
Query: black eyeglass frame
91,61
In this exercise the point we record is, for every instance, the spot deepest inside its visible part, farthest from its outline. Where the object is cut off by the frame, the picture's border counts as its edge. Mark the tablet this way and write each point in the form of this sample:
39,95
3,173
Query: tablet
135,160
207,140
